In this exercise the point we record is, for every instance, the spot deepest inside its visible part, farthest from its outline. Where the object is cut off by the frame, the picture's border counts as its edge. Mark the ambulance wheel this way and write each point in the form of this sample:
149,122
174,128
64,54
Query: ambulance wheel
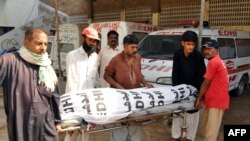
241,86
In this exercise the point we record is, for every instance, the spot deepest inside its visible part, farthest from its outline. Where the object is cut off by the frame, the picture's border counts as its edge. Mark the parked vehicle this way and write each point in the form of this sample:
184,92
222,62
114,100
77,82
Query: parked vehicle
157,50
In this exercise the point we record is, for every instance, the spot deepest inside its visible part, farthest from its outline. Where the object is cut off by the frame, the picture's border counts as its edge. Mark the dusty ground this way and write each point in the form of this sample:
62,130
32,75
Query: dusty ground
239,113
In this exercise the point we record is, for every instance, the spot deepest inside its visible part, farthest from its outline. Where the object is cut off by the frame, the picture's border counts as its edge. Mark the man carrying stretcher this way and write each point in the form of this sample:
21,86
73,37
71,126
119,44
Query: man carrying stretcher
126,100
124,72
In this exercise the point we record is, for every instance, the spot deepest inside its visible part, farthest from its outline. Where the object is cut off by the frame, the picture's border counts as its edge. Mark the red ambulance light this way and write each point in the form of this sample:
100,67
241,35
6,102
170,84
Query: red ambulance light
194,23
145,21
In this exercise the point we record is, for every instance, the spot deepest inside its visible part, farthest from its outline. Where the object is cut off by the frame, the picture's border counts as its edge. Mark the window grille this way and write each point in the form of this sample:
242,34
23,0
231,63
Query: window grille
103,17
170,14
79,20
141,13
229,12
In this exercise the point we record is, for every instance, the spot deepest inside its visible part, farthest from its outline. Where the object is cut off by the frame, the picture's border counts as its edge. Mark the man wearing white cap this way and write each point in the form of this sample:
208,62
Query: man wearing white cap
82,67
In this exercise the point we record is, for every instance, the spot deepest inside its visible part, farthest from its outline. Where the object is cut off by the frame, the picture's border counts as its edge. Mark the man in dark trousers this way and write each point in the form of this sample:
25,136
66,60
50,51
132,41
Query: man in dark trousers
30,89
188,68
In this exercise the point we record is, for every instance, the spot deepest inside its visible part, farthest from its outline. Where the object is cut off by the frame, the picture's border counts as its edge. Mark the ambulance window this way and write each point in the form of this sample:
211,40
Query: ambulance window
159,46
140,35
226,48
146,46
243,47
65,47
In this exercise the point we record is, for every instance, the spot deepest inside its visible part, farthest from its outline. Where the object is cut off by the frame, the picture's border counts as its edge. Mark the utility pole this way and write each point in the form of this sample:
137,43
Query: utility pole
90,11
57,39
156,9
123,14
201,22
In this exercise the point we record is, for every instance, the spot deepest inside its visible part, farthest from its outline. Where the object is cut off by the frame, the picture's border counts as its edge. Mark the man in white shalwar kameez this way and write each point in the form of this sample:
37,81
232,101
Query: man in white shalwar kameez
82,68
107,53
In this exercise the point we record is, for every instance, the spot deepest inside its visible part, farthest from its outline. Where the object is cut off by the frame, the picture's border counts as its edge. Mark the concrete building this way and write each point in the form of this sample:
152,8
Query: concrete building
233,14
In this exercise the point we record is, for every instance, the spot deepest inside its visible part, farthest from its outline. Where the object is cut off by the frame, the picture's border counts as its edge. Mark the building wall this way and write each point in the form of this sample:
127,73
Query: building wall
71,7
101,6
229,13
220,13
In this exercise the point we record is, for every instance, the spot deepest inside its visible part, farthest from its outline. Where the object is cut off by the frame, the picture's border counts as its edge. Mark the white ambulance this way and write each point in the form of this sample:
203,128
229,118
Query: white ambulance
69,39
158,47
123,28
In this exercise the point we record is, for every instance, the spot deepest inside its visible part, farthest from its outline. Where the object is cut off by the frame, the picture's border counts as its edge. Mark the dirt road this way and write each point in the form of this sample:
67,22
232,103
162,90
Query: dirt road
239,113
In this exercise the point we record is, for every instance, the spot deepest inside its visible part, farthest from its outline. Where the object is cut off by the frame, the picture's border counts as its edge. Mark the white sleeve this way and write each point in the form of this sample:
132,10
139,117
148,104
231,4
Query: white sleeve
97,83
71,84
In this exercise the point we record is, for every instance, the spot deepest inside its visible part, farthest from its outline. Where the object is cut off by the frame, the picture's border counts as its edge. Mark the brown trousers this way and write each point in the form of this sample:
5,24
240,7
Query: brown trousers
211,122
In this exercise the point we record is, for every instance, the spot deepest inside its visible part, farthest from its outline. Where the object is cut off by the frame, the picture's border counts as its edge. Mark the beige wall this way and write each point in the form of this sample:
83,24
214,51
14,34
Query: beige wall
79,7
71,7
101,6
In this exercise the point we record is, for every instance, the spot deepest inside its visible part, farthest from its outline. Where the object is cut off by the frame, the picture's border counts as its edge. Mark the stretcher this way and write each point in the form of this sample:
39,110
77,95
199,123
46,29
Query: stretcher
177,100
141,118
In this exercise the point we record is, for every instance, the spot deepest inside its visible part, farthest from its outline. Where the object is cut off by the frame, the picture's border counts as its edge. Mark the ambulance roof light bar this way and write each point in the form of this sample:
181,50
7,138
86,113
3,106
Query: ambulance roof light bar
188,23
191,23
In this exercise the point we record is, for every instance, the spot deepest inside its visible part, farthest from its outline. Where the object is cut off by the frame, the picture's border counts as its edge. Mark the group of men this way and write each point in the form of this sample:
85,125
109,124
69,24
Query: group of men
118,69
31,94
211,82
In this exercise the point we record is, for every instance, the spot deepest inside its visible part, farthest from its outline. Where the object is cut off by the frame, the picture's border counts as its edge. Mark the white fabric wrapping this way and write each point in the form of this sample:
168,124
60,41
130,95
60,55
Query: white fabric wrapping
106,105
